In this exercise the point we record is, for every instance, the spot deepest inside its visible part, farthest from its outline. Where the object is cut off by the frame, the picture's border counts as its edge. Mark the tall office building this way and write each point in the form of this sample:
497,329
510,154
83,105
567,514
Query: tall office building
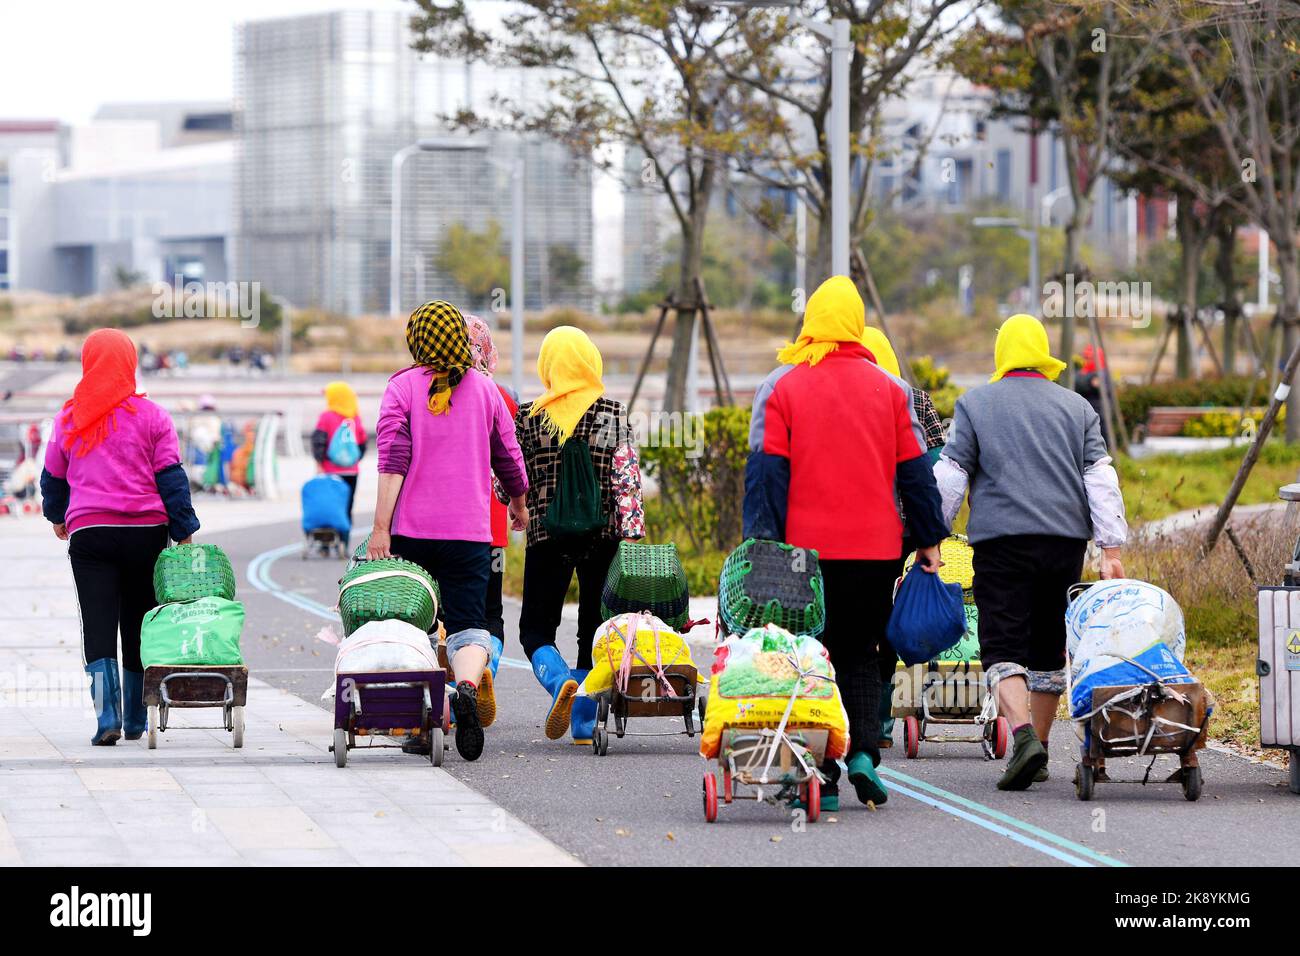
322,104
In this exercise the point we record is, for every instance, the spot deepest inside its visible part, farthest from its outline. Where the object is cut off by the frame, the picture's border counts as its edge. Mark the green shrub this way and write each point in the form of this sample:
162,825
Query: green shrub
1135,401
702,483
935,379
1227,424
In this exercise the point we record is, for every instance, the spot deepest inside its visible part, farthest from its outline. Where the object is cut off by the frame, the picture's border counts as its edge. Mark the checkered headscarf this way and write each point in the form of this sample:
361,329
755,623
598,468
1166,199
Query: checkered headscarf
438,340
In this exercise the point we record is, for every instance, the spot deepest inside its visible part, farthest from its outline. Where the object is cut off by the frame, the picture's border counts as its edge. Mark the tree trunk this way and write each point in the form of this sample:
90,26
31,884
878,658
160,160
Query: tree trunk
679,360
1225,269
1288,314
1190,244
1073,231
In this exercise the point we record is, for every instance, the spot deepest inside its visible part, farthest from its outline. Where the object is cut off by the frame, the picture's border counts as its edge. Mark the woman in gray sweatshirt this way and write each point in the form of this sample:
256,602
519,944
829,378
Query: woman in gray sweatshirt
1032,457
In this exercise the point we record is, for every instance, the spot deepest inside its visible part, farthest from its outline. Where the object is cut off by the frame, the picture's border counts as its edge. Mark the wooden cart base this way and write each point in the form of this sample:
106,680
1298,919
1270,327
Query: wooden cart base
645,697
393,704
167,686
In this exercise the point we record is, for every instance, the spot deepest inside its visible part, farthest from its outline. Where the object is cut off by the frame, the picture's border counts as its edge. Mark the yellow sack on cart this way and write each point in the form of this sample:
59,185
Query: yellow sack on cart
755,676
656,642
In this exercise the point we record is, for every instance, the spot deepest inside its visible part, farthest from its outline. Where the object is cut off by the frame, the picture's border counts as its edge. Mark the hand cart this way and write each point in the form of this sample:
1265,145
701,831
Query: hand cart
183,685
1152,719
395,704
645,689
778,765
326,542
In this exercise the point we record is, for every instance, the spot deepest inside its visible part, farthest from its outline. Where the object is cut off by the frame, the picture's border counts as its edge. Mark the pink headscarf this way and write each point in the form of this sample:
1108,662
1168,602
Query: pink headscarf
481,348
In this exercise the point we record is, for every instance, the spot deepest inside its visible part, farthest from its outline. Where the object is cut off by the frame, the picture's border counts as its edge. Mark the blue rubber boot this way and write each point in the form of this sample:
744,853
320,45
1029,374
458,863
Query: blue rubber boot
135,716
494,656
106,695
582,723
865,780
553,674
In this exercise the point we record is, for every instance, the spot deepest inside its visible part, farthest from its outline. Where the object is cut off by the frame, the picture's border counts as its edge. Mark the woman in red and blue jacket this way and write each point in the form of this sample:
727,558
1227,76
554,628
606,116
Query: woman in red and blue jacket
831,438
336,457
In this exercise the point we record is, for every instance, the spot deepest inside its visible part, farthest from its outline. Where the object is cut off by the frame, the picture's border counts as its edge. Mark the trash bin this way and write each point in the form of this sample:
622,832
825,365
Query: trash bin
1278,664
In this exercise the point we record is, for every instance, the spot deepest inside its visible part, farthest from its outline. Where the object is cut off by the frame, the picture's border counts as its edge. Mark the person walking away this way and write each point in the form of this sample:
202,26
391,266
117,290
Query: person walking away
339,441
882,353
1092,378
443,430
584,497
114,488
831,437
483,351
1031,455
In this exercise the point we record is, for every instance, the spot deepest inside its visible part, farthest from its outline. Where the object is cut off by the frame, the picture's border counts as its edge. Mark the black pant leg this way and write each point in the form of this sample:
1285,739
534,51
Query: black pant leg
463,570
547,572
97,579
351,482
1060,561
140,548
593,568
494,609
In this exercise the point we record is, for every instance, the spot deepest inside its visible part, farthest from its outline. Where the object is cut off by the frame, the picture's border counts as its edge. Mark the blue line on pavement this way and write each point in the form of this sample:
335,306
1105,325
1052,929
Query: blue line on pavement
978,807
259,576
990,825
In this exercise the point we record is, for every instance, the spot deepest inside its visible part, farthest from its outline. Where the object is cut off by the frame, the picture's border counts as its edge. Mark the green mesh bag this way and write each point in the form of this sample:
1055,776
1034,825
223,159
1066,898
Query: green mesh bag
647,577
188,572
767,582
389,589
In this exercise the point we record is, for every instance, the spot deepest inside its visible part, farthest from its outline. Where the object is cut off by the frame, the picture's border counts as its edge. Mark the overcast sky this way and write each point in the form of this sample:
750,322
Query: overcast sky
60,59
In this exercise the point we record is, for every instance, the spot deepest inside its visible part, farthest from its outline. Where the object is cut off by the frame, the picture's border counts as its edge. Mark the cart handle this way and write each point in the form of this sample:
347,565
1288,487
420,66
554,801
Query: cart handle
228,699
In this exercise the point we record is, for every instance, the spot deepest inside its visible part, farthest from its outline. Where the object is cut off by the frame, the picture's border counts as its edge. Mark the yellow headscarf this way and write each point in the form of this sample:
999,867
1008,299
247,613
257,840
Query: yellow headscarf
879,346
1022,343
834,314
340,398
570,368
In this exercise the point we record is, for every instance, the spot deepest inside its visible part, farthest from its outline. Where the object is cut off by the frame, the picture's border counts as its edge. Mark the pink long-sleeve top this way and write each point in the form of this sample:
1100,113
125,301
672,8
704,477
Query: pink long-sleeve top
449,459
115,484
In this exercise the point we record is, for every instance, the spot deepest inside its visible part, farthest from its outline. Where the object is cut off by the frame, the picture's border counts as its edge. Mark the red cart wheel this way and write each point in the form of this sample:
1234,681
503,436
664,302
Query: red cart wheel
727,794
812,798
912,737
1001,734
710,798
446,714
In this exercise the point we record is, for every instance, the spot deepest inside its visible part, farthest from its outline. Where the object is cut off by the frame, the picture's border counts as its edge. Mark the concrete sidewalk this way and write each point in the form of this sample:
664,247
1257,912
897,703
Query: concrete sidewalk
196,800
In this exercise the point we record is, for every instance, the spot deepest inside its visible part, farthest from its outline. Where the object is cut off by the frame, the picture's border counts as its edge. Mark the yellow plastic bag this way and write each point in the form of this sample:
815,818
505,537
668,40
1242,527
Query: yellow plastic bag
754,677
611,641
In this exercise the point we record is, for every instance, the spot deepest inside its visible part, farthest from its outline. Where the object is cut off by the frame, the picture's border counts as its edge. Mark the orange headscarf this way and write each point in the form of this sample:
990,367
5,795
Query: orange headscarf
107,381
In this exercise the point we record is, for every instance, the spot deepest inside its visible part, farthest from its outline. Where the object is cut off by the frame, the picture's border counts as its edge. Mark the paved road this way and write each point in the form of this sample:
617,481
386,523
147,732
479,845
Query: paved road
641,803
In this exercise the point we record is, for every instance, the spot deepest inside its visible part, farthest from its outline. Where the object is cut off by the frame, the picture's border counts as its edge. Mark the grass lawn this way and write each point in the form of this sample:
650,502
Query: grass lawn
1163,484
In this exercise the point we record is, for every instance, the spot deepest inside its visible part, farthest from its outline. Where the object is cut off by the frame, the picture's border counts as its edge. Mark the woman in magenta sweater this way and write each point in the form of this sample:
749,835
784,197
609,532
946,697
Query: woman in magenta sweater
443,431
114,489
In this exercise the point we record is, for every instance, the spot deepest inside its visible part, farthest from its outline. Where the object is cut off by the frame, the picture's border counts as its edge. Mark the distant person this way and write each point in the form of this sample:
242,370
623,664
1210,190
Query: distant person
1031,455
115,490
1092,378
484,353
573,425
443,432
339,441
832,436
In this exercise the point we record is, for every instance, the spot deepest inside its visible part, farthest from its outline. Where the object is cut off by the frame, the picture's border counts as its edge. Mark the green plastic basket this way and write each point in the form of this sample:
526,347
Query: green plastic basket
647,577
767,582
187,572
402,591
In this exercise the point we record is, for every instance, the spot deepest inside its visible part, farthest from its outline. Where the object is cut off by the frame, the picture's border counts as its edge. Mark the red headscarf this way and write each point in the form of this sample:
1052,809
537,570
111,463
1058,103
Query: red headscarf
1093,360
107,381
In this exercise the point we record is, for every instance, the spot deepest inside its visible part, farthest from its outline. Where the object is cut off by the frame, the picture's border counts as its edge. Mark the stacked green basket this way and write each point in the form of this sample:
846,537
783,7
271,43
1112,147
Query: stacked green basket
388,589
766,582
191,571
647,577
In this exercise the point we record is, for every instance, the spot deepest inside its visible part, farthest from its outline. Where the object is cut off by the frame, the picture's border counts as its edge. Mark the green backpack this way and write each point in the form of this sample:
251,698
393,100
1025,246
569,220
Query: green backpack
575,508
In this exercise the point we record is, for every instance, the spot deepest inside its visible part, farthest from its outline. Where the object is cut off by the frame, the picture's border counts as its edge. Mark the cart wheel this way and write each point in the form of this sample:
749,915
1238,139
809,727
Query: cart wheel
728,794
620,727
600,741
446,714
436,746
710,797
911,737
602,711
340,747
1192,782
812,798
237,725
1084,778
153,727
1001,733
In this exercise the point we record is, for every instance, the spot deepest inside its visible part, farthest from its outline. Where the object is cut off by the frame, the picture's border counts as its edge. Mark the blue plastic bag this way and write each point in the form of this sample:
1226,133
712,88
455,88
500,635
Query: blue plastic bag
325,505
927,618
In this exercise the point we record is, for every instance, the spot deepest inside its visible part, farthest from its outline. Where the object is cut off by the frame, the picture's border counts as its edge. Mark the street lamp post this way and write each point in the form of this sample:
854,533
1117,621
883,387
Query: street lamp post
516,169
